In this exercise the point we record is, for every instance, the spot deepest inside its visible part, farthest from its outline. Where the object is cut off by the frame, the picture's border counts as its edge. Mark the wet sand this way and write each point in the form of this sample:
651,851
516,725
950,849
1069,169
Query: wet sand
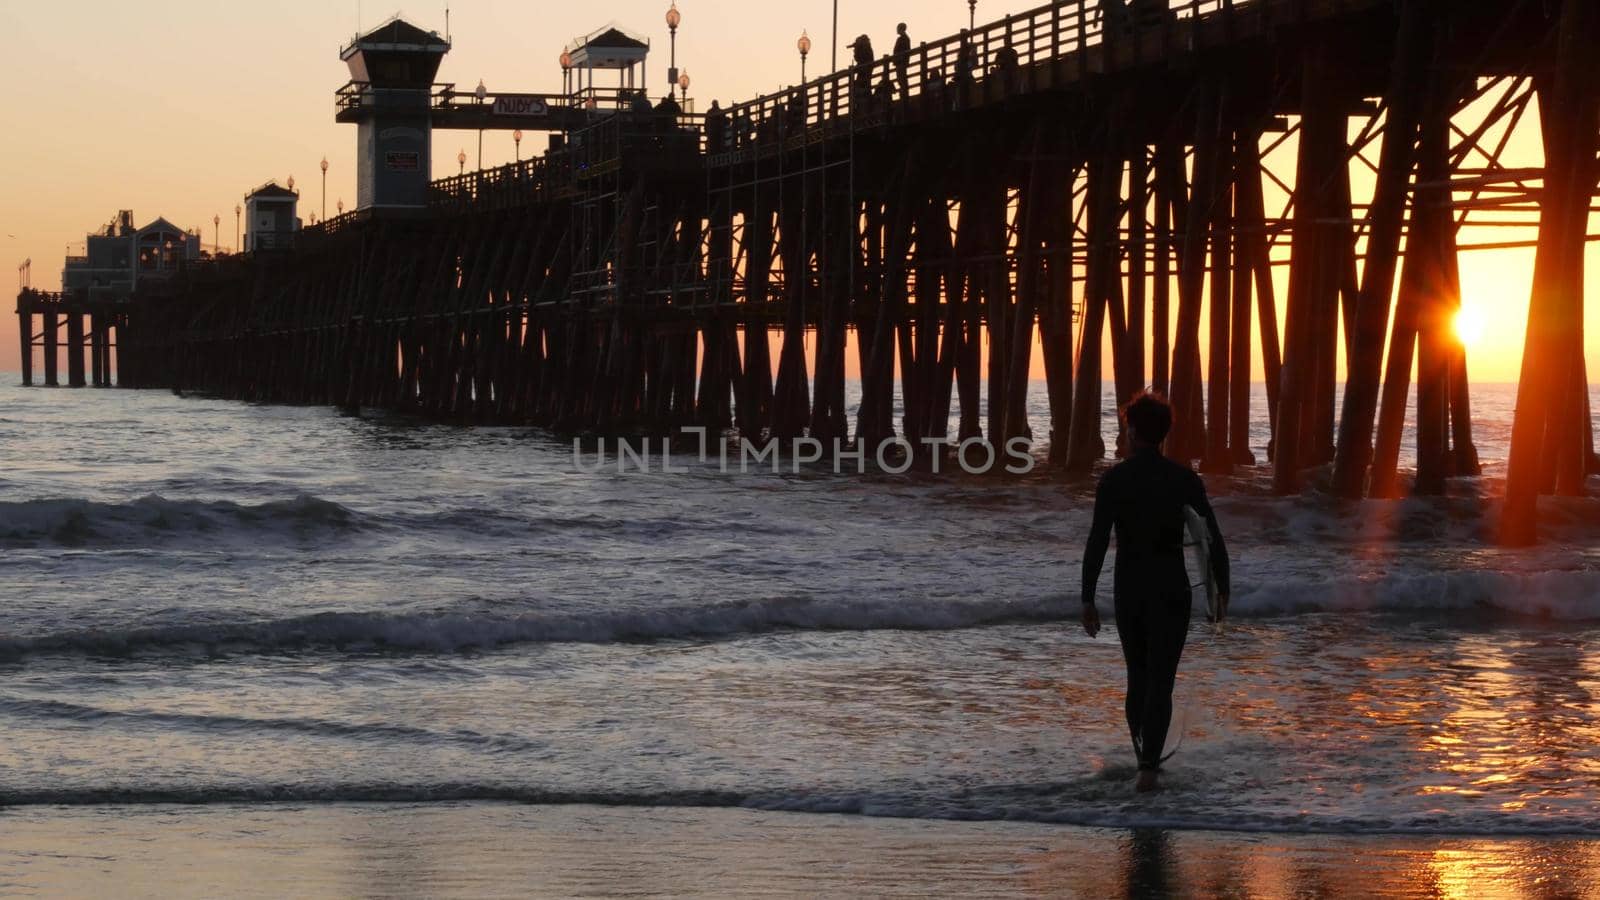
479,850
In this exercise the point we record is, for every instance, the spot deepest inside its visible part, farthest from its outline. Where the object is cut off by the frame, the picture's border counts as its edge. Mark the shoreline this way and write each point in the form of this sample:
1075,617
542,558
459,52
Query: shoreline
493,849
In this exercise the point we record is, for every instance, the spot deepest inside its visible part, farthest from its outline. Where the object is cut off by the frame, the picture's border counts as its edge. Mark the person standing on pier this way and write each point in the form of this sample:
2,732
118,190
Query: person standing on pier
1142,499
966,60
861,75
716,129
902,60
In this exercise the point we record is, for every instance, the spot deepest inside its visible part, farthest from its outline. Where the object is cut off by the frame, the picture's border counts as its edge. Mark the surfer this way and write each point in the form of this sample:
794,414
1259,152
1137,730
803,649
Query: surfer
1143,498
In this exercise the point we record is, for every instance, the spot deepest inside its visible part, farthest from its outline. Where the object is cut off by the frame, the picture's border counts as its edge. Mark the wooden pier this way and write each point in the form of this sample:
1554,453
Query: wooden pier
1080,169
85,331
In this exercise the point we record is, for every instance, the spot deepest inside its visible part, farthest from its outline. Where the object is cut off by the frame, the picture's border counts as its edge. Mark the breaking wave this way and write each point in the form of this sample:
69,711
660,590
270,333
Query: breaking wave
77,522
1568,596
444,632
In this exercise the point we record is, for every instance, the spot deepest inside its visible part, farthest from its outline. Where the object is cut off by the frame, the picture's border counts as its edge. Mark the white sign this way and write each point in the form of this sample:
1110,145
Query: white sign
515,105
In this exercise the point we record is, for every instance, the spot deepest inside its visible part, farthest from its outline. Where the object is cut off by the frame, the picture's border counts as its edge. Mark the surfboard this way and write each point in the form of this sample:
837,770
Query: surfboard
1198,543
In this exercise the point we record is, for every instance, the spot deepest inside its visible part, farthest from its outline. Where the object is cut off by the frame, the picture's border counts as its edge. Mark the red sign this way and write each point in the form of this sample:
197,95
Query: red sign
520,105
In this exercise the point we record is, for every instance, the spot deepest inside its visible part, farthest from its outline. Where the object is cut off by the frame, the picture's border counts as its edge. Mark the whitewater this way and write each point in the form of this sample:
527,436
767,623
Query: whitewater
213,602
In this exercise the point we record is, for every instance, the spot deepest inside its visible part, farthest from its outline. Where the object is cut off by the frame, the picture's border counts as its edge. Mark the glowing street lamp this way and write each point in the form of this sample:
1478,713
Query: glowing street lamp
566,71
683,84
324,187
482,93
516,138
461,160
237,228
804,46
216,232
291,182
340,206
674,19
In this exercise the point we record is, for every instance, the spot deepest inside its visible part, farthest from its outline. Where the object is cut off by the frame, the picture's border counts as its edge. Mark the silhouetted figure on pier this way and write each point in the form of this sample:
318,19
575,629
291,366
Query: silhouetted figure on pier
795,111
716,129
1007,64
1142,499
966,61
883,95
639,104
668,108
1114,19
933,88
1122,18
902,60
861,76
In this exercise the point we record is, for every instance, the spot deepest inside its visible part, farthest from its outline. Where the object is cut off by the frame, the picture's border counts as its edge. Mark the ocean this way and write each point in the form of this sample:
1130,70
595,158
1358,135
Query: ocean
267,613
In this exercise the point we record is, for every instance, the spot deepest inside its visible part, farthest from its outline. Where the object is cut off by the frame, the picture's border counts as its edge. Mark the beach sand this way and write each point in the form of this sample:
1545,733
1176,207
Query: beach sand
506,850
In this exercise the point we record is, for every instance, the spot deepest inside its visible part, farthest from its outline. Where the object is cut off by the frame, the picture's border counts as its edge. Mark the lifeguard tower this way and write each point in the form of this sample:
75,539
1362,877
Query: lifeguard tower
392,69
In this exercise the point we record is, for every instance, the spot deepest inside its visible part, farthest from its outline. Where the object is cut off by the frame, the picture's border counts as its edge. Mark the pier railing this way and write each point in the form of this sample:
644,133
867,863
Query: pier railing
1032,50
1037,49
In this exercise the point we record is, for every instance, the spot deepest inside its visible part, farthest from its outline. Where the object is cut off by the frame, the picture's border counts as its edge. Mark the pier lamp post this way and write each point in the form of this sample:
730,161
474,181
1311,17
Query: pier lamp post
804,46
291,182
340,206
324,187
216,232
972,15
461,160
482,93
683,84
516,138
237,229
674,19
566,73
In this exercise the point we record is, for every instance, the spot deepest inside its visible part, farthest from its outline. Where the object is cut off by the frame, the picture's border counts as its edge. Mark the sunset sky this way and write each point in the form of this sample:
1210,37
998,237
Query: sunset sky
178,110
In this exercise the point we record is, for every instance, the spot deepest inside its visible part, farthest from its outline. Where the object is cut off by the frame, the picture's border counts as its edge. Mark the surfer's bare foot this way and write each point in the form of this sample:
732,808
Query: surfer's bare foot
1148,781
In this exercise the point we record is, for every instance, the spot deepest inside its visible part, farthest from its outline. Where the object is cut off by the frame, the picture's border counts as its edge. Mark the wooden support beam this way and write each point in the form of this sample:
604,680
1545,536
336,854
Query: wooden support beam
1030,261
1387,214
1168,184
969,311
1315,270
52,343
25,336
1087,444
1422,280
1463,452
1555,315
95,361
1138,260
929,416
1218,458
995,279
1246,169
1055,319
1187,442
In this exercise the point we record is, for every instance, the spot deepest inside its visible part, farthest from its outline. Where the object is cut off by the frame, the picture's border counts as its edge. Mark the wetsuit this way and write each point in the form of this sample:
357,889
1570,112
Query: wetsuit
1143,498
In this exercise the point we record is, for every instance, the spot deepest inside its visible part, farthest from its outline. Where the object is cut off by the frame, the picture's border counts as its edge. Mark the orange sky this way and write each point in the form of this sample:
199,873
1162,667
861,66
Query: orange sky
179,109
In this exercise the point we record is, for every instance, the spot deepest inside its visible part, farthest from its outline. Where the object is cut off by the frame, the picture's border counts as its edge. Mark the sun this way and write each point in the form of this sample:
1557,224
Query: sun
1468,325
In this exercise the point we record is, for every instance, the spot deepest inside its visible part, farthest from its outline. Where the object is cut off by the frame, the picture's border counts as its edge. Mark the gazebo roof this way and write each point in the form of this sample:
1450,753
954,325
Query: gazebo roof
611,47
270,189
